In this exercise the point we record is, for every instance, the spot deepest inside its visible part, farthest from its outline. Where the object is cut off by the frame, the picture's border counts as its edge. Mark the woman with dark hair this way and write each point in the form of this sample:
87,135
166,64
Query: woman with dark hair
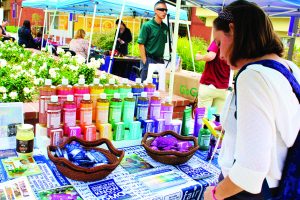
124,38
261,117
25,37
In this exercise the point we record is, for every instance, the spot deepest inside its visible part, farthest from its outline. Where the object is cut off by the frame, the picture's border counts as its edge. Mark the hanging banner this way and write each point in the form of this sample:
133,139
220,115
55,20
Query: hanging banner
14,10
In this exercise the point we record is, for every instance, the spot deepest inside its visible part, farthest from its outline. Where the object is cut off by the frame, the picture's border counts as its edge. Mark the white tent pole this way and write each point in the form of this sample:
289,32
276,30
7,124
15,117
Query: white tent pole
133,27
191,46
91,33
116,37
174,47
52,22
45,18
19,21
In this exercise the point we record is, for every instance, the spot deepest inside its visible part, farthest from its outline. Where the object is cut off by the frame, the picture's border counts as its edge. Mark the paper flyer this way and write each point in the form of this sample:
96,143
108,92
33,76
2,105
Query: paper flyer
61,193
15,189
195,173
133,164
20,166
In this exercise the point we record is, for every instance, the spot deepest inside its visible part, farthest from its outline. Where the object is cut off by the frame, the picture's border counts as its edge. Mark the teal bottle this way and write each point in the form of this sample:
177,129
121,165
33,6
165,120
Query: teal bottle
124,88
110,89
115,109
128,110
204,138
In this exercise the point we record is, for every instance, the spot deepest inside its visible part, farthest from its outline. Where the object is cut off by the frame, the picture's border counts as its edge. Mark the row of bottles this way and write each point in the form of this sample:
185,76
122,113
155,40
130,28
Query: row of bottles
94,90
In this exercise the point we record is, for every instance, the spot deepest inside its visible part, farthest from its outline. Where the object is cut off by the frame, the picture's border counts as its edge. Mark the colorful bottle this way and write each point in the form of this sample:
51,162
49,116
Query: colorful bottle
69,114
45,92
212,145
187,122
128,110
86,111
155,79
95,90
167,110
102,109
199,114
138,88
204,138
115,109
155,106
63,90
53,114
79,90
25,139
124,88
142,107
110,89
149,88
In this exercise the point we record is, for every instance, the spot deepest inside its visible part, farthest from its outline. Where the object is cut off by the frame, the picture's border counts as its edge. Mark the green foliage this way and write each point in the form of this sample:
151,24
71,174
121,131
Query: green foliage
183,50
104,41
12,29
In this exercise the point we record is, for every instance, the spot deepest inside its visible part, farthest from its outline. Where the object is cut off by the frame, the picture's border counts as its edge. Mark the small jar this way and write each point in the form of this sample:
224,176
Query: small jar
25,137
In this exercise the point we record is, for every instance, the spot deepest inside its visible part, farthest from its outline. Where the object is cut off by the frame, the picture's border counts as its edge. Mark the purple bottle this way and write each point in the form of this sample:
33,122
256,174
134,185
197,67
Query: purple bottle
199,114
149,87
166,111
155,106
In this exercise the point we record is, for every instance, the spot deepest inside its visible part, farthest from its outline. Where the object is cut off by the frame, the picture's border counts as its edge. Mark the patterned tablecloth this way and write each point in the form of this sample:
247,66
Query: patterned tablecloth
138,177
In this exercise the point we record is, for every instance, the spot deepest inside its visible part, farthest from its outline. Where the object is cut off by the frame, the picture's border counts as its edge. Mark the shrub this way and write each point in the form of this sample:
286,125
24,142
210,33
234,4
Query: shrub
12,29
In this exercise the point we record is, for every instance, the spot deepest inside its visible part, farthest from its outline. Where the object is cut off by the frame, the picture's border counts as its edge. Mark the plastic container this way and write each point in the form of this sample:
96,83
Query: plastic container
142,107
137,88
124,88
53,113
102,108
128,110
69,114
95,90
149,88
155,106
187,125
24,140
79,90
110,89
204,138
166,111
86,111
115,109
45,92
155,79
63,90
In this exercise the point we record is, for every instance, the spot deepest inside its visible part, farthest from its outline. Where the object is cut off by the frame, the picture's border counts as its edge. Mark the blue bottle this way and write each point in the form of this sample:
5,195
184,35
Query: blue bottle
142,107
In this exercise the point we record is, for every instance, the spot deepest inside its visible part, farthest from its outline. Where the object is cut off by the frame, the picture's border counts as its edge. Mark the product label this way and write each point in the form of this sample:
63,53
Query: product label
115,113
77,99
53,119
44,100
102,114
155,111
142,112
70,117
167,115
86,116
128,113
204,140
56,137
24,146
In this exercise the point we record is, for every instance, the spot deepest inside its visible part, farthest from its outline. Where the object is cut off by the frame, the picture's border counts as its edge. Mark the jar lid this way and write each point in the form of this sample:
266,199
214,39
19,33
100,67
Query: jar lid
25,127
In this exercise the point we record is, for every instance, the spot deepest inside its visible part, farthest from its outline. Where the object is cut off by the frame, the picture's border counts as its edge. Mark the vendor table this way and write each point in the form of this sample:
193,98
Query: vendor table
138,177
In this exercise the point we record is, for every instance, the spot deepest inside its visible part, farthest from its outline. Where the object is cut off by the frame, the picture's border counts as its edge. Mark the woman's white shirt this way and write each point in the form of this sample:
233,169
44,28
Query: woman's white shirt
268,121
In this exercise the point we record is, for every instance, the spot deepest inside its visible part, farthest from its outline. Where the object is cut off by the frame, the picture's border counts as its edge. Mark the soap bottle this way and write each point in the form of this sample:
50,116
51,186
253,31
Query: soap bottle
95,90
79,90
149,88
102,109
204,138
115,109
142,107
138,88
45,92
155,106
128,110
110,89
167,110
69,113
124,88
86,111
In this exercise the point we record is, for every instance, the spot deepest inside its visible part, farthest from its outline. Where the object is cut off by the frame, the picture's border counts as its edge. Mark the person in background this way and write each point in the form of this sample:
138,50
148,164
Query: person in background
38,40
34,31
3,33
261,116
80,45
25,37
124,38
152,39
214,79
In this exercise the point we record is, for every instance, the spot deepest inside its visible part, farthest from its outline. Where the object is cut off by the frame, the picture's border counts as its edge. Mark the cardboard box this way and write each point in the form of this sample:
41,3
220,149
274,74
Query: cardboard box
186,83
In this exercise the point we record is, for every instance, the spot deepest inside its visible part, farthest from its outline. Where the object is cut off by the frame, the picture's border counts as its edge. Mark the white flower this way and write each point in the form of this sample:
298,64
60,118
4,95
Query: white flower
21,55
73,67
33,63
13,95
68,54
4,96
18,68
3,62
53,74
43,67
2,89
102,61
26,90
80,60
37,81
32,71
60,51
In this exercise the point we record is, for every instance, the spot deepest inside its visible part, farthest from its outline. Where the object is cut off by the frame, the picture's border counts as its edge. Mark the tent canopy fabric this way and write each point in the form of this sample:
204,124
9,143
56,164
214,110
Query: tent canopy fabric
104,7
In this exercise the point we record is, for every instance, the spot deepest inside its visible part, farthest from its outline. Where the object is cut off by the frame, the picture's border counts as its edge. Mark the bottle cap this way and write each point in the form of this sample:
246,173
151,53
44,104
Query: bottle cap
103,76
70,97
156,94
64,81
96,81
144,94
138,80
81,76
217,117
86,96
54,98
81,81
111,81
117,95
129,95
103,96
25,127
48,82
124,80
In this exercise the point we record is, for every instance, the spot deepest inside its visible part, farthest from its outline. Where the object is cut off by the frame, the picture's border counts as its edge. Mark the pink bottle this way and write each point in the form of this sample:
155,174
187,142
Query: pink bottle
69,114
45,92
53,114
63,90
79,90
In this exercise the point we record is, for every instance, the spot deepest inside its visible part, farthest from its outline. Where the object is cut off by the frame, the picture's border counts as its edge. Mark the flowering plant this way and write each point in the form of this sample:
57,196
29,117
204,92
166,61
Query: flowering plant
24,71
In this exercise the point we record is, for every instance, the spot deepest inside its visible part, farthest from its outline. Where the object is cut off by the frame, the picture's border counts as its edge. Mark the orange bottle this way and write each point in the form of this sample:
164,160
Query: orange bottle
86,110
45,92
79,90
95,89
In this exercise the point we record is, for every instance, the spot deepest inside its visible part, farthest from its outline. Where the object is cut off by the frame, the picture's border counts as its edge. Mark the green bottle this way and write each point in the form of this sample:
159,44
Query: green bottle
124,88
187,122
204,138
128,109
115,109
110,89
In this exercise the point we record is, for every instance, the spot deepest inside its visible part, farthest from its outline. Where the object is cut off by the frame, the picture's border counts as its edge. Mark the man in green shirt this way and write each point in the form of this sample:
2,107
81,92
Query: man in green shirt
152,39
